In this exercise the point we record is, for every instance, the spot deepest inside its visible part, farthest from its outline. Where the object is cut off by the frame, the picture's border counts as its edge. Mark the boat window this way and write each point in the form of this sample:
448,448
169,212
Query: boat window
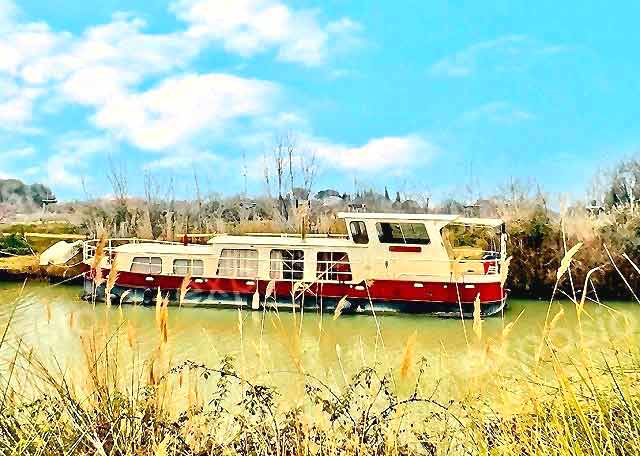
146,265
359,233
333,266
184,266
287,264
238,263
402,233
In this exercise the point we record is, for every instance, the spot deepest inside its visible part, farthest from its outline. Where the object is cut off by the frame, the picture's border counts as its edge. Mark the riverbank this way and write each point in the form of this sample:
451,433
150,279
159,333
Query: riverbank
21,267
21,246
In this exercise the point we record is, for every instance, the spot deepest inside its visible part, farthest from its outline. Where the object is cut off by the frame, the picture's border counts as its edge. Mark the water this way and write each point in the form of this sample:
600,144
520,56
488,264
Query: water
52,322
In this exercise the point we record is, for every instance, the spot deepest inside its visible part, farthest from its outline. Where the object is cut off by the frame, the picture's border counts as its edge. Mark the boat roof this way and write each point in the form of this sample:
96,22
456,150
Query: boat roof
163,248
444,219
282,240
239,241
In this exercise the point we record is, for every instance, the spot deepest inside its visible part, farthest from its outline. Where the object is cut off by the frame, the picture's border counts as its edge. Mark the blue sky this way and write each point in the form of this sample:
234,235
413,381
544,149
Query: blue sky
424,97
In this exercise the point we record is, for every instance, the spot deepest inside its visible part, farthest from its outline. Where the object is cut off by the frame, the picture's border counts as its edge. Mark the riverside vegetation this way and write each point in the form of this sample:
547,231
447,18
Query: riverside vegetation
538,233
567,397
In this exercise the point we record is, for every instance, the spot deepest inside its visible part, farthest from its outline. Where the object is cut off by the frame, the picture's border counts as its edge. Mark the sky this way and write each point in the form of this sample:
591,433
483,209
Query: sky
431,98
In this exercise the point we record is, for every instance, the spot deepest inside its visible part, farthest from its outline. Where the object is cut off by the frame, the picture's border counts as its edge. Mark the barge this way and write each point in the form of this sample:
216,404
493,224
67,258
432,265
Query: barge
387,262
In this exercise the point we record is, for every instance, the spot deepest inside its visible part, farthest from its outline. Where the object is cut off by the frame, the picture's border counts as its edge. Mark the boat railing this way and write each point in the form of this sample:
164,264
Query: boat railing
299,235
90,247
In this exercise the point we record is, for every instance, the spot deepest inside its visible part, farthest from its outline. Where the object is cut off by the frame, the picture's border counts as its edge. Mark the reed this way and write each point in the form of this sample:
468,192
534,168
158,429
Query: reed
407,356
584,403
184,288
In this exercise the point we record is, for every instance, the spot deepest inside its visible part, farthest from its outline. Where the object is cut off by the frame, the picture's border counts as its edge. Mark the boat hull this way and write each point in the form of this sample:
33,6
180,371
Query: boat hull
377,296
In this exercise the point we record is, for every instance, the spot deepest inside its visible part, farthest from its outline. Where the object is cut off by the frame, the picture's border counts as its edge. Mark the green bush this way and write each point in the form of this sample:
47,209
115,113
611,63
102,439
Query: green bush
13,244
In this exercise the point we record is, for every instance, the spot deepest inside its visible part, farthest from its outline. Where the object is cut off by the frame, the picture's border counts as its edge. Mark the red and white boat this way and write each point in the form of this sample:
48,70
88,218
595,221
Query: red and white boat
386,262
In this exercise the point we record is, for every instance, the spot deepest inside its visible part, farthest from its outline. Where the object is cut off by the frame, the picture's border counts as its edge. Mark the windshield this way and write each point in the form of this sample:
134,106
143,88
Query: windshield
470,240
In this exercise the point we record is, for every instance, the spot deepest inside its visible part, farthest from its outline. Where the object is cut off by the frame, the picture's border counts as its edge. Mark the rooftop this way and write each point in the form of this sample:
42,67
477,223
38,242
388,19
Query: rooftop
282,240
443,219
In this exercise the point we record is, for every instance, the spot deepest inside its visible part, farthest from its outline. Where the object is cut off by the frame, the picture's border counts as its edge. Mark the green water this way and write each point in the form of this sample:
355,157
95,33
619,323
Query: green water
52,322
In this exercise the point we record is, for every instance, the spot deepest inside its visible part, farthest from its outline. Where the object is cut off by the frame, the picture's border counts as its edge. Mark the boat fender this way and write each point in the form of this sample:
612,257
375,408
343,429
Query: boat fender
349,307
148,296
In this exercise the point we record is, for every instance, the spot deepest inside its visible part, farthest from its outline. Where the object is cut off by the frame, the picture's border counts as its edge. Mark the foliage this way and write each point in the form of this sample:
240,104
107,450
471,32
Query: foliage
13,244
623,183
15,191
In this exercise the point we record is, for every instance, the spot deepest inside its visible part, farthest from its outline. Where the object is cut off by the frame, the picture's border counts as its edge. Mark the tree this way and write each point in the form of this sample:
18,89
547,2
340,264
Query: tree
308,169
16,192
622,184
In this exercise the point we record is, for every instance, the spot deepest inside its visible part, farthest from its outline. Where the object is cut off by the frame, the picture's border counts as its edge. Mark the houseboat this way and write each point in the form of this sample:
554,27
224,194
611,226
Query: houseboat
417,263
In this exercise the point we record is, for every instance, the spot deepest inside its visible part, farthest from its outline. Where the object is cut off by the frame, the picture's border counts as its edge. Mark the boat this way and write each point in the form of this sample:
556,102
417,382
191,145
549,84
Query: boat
387,262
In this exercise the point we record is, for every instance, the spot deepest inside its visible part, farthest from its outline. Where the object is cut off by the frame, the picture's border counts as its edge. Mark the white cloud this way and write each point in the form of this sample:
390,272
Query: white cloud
180,107
138,84
248,27
7,12
385,154
119,47
183,160
17,154
65,167
507,53
104,66
500,112
21,43
16,104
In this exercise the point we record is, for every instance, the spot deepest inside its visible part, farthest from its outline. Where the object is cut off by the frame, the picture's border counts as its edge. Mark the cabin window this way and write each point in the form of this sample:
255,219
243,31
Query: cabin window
359,233
287,264
146,265
402,233
184,266
238,263
333,266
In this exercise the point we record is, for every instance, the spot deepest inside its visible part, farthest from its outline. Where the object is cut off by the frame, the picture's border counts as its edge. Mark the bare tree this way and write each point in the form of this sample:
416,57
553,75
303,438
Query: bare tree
244,172
117,176
267,175
308,169
291,148
279,158
279,152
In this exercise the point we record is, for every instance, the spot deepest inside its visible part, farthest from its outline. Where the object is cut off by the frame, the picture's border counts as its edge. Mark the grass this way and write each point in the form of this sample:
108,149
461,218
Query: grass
566,399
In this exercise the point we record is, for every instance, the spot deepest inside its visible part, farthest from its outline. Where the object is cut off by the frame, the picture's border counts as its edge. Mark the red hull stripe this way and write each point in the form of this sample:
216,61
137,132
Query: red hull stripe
405,248
386,290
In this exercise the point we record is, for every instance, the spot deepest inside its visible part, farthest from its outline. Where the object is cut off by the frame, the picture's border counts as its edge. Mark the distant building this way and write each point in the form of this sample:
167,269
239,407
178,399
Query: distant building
357,205
594,208
481,208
